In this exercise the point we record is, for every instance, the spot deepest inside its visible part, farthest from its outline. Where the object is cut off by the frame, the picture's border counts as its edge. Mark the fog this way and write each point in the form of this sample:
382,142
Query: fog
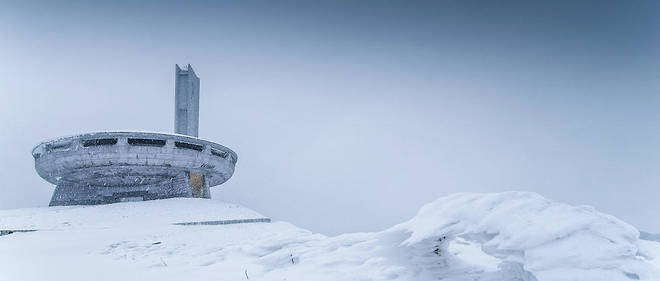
349,116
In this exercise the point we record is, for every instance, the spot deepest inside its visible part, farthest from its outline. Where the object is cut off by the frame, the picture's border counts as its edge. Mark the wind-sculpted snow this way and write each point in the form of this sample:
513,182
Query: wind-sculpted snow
506,236
552,241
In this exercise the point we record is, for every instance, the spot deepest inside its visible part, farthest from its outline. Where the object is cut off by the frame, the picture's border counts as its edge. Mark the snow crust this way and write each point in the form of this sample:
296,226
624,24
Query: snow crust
467,236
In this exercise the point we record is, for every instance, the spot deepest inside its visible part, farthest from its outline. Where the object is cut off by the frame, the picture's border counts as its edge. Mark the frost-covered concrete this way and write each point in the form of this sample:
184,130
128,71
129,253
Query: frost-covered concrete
509,236
108,167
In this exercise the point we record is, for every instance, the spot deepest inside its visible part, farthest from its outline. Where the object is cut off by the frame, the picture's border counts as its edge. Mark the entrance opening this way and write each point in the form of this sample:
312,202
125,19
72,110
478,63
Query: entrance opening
197,185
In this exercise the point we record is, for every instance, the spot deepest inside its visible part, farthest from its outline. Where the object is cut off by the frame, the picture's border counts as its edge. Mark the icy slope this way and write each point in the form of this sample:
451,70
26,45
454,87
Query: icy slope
504,236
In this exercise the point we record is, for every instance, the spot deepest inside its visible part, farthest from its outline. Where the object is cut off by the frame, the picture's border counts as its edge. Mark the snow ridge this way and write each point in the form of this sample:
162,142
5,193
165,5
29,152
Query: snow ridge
551,241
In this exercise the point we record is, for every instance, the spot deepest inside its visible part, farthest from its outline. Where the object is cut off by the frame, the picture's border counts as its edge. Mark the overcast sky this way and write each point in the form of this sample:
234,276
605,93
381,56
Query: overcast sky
350,115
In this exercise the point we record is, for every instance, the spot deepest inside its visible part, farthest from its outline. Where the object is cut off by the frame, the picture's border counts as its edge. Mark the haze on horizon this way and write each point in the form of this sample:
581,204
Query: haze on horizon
350,115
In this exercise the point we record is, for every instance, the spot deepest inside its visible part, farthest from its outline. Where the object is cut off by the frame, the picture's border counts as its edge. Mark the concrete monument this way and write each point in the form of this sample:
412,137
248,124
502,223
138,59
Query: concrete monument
109,167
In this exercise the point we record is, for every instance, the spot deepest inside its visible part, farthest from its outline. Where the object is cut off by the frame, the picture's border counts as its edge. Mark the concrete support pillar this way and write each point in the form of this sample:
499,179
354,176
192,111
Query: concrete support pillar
207,190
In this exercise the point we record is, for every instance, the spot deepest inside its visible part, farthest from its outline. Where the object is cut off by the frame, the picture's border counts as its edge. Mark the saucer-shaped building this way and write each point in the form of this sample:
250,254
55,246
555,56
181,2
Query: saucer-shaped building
108,167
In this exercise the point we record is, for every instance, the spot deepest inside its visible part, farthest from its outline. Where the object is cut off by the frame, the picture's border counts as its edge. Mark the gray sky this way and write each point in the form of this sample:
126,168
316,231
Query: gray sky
350,115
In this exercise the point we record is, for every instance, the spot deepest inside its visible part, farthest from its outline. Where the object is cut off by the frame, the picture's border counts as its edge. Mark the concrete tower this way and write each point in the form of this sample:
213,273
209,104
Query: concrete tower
186,104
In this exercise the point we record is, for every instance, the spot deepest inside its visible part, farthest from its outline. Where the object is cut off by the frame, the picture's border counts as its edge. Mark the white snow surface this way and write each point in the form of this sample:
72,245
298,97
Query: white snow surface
466,236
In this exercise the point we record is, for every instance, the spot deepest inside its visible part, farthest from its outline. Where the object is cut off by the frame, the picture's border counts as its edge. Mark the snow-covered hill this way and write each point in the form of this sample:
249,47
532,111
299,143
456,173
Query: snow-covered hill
467,236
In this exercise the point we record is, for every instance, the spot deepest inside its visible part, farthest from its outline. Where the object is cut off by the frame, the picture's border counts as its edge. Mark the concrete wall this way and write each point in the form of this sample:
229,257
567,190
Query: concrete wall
77,193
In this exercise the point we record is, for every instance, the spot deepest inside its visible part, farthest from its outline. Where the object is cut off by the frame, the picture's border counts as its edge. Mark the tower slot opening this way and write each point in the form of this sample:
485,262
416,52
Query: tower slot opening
187,145
95,142
219,153
146,142
58,146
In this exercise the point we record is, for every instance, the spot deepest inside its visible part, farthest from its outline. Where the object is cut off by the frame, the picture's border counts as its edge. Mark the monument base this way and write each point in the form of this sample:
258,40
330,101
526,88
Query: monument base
68,193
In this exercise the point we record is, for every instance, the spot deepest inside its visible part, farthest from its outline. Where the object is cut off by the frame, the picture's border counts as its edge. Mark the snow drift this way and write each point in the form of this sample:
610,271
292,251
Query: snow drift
467,236
552,241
